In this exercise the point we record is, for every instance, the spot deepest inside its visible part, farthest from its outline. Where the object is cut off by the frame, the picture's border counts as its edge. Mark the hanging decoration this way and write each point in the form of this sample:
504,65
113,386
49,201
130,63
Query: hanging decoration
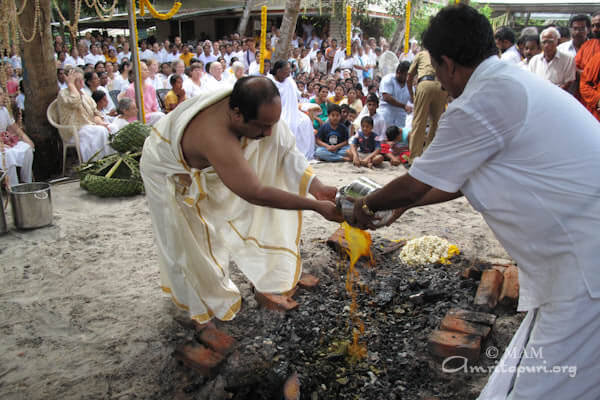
156,14
348,30
407,30
263,37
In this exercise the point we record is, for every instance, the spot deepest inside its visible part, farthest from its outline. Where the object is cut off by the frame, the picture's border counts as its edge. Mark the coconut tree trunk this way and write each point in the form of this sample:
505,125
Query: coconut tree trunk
398,38
288,26
245,17
39,80
72,16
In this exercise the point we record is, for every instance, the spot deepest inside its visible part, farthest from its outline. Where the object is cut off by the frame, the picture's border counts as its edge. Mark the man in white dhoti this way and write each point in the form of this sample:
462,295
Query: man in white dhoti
298,122
536,187
222,176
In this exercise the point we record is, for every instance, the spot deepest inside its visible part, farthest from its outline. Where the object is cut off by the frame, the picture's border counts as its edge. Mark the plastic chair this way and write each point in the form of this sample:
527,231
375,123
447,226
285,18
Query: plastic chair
66,132
160,95
114,95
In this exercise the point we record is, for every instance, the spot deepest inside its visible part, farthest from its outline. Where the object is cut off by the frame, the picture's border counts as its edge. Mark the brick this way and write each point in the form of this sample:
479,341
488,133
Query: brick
291,388
472,272
473,316
275,302
308,281
500,267
489,289
509,295
217,340
338,243
455,324
443,344
199,358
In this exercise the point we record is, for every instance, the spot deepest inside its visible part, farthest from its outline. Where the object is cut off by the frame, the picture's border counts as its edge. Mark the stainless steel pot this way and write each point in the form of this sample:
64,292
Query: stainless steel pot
359,188
31,205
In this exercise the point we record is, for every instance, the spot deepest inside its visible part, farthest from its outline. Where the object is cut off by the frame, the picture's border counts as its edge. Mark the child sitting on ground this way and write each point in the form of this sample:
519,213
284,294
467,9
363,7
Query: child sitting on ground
395,149
332,139
364,147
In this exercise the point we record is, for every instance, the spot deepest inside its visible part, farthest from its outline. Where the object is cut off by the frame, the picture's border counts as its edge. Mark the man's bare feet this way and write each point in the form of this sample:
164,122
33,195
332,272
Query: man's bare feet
275,302
308,281
199,358
217,340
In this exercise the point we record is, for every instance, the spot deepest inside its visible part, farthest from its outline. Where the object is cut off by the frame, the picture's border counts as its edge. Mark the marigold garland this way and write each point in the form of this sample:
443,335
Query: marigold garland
156,14
407,29
348,30
263,37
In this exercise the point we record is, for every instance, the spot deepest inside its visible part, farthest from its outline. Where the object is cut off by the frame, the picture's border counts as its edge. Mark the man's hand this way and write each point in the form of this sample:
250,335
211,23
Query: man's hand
356,161
395,215
329,211
408,108
360,218
70,79
322,192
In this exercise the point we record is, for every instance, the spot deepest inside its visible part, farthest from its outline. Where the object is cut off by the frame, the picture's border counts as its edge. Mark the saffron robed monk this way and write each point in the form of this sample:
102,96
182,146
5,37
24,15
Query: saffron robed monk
225,182
538,190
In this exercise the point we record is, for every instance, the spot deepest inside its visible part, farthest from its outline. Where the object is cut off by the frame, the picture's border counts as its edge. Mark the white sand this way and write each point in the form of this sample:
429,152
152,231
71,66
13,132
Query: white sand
81,311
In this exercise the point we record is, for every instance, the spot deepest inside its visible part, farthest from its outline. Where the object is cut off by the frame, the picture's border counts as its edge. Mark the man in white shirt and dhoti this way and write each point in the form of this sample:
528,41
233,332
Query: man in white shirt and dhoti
225,182
534,178
298,122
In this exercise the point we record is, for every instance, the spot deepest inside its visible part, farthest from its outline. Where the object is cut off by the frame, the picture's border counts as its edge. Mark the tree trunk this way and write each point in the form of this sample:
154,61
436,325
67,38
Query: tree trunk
72,17
245,17
288,27
39,80
398,38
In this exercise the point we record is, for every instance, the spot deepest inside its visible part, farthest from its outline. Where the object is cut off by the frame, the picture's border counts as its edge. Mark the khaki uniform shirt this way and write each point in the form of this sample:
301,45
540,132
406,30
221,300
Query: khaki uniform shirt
421,65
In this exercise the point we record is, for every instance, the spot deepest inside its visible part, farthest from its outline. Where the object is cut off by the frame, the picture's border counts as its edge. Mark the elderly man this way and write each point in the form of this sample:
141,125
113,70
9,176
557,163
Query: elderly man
395,97
537,189
205,54
505,42
214,79
224,182
551,64
78,109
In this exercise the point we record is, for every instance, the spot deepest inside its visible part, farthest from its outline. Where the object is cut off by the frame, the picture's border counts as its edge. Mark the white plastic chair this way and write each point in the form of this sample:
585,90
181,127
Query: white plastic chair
67,132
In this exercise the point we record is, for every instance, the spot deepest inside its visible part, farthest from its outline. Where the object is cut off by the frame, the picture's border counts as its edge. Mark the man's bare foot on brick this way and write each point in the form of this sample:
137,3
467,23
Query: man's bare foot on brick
275,302
199,358
217,340
308,281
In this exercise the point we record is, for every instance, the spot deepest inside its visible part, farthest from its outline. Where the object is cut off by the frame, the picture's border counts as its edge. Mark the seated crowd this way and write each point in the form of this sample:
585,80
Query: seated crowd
341,105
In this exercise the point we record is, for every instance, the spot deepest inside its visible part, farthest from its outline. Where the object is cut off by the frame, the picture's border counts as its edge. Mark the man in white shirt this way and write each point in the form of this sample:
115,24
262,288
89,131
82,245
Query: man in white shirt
505,41
95,56
535,184
531,48
214,80
206,57
145,52
173,54
249,55
395,97
579,26
551,64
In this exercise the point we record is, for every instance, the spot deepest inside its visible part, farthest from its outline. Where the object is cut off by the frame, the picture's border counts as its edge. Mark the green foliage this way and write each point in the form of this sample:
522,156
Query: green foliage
389,27
420,19
484,9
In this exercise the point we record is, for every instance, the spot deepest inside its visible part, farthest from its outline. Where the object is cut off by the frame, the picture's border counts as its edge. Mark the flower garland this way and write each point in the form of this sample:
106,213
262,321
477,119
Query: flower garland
348,30
407,29
263,37
156,14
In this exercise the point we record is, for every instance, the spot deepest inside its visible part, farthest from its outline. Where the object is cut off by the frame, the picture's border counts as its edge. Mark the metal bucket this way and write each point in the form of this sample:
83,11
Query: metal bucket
3,225
31,205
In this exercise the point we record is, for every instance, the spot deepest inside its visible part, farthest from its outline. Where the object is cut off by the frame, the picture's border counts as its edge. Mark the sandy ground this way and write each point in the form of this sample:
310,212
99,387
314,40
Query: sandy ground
82,314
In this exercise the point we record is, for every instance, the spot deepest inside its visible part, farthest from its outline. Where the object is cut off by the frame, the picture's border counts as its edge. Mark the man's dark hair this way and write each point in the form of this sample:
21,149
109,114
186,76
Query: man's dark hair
88,77
351,110
372,97
460,33
505,33
174,78
279,64
333,108
251,92
564,32
100,62
345,107
532,38
366,120
403,66
98,95
580,17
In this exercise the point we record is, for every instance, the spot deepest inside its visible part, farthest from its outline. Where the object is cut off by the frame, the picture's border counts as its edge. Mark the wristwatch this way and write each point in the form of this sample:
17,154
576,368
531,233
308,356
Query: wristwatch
366,208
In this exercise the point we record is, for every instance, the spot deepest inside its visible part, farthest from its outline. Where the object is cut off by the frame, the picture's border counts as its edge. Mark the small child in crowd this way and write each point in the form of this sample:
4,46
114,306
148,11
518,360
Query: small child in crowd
332,138
365,147
395,149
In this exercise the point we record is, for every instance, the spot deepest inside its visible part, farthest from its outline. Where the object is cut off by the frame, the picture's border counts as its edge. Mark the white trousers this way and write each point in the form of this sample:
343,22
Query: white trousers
553,355
20,155
93,138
